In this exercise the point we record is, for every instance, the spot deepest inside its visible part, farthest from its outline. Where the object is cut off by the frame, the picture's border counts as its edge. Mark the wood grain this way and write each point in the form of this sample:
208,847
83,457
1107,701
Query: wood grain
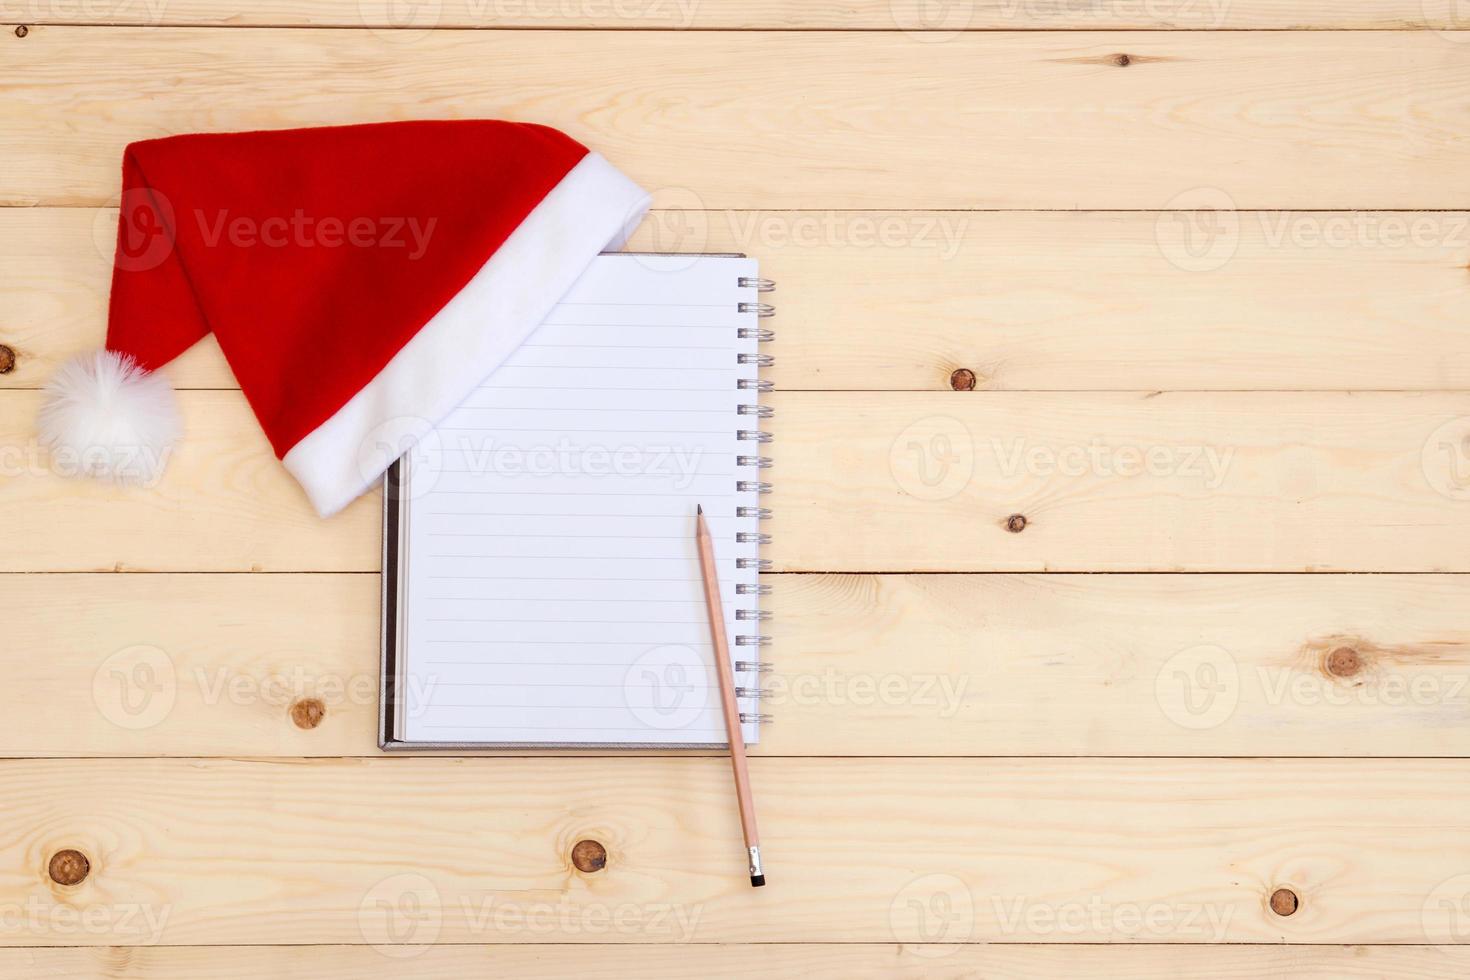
1208,665
194,665
332,851
1024,300
936,21
813,120
224,503
1207,482
875,961
168,725
1224,481
884,665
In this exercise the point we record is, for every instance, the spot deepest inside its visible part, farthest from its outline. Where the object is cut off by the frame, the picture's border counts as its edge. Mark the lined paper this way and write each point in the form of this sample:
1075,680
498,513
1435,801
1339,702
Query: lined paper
552,590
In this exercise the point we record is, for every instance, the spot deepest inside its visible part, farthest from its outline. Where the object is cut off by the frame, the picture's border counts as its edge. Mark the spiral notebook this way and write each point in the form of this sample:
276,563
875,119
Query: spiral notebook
541,584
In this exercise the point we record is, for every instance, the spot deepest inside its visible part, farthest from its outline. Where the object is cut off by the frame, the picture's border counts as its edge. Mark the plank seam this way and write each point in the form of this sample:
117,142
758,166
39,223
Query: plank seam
572,28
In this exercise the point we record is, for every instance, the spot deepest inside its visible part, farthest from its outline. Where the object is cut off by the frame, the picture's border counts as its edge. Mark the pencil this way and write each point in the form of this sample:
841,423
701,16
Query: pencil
726,673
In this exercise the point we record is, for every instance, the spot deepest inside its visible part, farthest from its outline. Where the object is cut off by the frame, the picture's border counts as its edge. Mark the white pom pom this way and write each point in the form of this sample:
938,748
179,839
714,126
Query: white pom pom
104,416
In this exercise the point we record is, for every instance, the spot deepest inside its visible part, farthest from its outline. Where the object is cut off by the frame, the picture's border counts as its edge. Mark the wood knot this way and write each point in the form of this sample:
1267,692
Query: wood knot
589,856
1016,523
962,379
69,867
22,31
7,359
1343,662
1122,60
1284,901
308,712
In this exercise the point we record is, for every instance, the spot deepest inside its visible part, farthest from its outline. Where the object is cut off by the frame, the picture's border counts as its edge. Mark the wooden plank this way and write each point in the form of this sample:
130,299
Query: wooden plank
934,23
1316,120
1218,481
838,961
414,851
194,665
1209,665
989,665
225,503
1023,300
1011,481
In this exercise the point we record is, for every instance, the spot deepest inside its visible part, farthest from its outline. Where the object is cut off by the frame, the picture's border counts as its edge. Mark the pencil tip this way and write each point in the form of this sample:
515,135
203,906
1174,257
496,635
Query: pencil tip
699,508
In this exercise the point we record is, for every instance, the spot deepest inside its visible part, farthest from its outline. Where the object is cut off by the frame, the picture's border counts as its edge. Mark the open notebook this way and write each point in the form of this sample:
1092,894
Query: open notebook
541,583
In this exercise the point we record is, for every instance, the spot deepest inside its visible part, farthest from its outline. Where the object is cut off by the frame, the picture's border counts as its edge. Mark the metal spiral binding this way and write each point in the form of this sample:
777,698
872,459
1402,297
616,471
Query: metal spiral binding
751,687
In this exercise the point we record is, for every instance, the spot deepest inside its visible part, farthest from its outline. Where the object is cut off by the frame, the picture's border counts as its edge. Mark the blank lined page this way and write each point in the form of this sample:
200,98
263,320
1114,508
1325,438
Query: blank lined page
551,584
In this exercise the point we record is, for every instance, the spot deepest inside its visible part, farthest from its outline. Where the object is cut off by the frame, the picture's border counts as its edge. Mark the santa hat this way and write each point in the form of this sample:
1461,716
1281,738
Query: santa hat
361,282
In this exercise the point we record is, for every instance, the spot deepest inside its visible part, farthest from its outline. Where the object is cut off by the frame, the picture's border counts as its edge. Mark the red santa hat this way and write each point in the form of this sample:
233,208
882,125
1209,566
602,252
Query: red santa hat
361,282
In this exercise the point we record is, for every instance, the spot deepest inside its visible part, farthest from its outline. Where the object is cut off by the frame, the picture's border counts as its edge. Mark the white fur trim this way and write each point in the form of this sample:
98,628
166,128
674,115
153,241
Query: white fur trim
592,208
104,416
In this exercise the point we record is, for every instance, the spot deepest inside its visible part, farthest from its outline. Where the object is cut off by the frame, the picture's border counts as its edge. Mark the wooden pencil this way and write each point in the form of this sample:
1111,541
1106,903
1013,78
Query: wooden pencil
725,670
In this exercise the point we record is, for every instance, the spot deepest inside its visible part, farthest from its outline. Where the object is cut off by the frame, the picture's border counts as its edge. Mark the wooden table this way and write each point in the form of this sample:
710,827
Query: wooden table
1174,292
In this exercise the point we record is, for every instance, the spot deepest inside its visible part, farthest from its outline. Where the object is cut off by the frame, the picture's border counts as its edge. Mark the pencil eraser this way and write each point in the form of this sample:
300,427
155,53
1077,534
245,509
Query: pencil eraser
757,880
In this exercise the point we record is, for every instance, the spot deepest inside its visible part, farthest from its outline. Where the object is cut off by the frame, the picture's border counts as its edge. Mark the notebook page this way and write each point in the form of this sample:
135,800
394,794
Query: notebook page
553,590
